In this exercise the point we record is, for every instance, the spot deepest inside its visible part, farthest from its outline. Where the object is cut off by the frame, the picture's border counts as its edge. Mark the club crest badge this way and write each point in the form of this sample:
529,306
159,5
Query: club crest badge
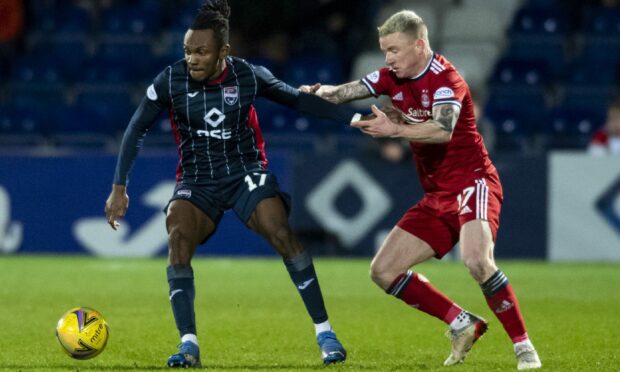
425,100
231,95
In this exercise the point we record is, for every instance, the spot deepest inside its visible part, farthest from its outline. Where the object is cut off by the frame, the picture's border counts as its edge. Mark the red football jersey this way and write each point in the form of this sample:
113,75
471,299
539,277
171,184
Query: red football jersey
441,167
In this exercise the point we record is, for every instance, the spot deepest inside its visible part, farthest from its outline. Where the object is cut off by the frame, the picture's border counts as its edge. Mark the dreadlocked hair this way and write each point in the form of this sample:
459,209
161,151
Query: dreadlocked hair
213,15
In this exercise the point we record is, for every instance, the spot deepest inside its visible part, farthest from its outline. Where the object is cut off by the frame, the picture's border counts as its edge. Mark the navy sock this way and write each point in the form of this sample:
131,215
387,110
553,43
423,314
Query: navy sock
182,294
302,273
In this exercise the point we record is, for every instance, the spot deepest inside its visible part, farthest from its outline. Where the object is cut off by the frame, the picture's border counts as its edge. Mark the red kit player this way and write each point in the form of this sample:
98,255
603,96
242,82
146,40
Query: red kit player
463,193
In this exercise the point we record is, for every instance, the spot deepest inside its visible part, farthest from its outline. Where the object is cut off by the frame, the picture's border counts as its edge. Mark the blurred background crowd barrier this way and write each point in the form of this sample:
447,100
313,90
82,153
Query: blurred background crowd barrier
544,74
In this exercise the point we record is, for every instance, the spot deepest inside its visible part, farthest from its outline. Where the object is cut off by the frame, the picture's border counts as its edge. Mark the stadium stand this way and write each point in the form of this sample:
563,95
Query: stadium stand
530,62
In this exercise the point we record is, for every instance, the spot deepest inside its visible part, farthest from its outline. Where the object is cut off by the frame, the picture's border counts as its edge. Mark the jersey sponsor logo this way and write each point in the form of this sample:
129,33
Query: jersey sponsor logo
398,96
214,133
231,95
443,92
418,115
373,77
184,193
214,117
151,93
192,95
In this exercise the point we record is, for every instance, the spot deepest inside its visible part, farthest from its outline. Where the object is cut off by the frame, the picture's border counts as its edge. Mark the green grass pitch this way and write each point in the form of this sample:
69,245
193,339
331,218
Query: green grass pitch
251,318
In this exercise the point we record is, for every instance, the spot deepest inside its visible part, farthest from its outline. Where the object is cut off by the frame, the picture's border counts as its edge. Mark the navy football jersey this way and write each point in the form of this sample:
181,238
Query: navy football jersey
214,122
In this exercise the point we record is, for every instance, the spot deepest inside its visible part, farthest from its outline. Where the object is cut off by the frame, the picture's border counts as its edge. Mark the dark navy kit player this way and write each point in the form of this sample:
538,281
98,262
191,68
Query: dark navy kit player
222,166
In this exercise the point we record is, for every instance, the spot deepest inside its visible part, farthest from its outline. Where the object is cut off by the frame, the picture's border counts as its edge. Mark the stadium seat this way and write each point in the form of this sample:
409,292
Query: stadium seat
473,60
126,21
585,72
472,25
27,121
269,64
601,36
540,22
601,21
274,117
29,95
96,71
35,70
569,128
520,74
61,21
83,128
588,98
550,51
363,65
108,110
27,126
512,130
502,10
181,20
133,61
530,104
67,57
307,69
129,52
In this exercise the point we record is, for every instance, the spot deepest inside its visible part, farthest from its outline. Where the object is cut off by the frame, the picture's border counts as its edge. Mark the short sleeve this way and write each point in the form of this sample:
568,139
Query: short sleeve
378,82
449,88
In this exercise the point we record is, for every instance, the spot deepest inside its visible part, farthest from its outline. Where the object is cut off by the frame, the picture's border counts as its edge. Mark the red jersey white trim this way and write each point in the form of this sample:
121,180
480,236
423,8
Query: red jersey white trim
447,166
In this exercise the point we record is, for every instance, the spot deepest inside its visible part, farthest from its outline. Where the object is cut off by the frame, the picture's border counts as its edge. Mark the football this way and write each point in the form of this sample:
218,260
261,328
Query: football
82,333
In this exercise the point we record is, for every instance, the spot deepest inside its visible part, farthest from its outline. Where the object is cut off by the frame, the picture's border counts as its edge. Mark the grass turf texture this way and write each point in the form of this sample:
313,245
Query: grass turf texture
251,318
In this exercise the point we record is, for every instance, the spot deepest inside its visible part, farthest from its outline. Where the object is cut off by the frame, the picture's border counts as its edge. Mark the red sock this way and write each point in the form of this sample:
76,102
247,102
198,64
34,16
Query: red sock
506,308
416,291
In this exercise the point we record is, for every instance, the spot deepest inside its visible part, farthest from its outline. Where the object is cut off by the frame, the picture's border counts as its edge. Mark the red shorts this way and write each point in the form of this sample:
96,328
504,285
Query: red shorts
438,217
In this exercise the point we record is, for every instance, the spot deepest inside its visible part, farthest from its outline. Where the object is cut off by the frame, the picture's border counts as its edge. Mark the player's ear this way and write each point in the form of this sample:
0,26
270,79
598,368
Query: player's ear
420,44
224,51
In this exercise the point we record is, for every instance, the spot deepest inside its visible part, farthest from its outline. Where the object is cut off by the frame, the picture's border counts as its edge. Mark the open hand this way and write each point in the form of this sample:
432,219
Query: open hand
379,124
311,89
116,205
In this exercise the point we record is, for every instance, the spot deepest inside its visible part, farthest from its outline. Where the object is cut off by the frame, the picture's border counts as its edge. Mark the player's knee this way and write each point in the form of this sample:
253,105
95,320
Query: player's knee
380,274
280,235
180,245
478,267
283,240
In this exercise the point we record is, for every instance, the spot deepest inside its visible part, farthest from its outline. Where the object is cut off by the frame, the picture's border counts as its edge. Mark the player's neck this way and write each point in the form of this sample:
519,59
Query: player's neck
423,65
221,67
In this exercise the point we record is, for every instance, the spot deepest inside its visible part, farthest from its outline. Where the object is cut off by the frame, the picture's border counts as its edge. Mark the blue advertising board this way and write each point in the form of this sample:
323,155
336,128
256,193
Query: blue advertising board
341,205
55,204
348,205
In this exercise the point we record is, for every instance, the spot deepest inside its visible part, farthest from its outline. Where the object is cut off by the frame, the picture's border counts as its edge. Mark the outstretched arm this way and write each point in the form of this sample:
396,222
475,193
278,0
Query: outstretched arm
437,130
338,93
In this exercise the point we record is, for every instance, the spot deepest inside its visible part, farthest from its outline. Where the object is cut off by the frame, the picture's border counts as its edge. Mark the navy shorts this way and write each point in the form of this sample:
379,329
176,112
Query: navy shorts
240,192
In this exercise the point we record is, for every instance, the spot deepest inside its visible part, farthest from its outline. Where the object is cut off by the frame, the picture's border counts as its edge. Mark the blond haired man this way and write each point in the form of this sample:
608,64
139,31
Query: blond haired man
463,193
